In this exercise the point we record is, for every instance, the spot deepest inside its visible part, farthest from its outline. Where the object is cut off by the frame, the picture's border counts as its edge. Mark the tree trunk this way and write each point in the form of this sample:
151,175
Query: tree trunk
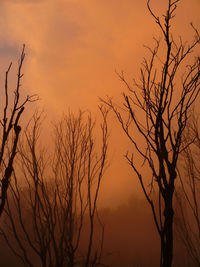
71,261
167,235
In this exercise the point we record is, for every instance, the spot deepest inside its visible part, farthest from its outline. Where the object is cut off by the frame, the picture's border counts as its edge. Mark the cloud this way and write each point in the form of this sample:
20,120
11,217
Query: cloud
8,50
73,48
27,2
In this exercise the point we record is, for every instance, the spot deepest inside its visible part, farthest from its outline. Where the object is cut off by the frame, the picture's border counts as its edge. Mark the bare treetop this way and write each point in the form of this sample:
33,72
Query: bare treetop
9,124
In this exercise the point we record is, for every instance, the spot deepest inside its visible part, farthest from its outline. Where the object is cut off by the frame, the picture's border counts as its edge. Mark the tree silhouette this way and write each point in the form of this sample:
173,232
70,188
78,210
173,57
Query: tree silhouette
157,110
13,107
187,218
51,217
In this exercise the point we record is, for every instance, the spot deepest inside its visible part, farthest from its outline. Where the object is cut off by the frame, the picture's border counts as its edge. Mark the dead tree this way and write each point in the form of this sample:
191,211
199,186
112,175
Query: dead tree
156,107
187,219
12,109
46,218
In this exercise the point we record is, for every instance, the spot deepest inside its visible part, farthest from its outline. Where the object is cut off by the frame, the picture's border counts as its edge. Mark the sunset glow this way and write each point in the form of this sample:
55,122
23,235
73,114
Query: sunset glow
74,50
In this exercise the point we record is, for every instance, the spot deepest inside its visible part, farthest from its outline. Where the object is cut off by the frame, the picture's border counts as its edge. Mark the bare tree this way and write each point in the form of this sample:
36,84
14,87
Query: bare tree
157,110
11,112
187,217
48,216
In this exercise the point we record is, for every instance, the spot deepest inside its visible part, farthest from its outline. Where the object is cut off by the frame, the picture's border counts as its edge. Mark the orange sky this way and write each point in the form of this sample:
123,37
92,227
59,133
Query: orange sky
73,48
